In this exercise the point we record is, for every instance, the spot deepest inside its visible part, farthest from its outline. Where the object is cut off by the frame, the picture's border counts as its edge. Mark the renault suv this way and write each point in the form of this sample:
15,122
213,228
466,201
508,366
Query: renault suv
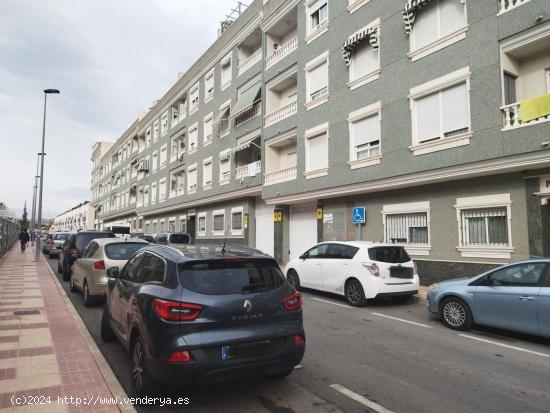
203,314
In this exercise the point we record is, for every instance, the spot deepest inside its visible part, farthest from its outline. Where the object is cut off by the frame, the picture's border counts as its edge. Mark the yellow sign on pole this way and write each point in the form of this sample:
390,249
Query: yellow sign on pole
277,215
319,214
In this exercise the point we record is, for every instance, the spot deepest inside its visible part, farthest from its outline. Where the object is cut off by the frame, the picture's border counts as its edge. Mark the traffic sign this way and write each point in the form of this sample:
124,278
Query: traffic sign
359,215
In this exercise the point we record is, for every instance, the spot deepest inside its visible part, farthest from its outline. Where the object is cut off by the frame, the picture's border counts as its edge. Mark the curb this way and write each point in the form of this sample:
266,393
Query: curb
111,381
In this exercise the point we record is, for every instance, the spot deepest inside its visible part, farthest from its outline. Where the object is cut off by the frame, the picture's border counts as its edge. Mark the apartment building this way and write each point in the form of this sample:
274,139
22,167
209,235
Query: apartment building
79,217
430,114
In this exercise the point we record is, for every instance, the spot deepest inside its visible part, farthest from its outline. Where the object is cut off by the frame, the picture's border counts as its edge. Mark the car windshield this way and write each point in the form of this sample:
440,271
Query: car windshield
61,237
83,239
231,276
179,239
393,255
122,250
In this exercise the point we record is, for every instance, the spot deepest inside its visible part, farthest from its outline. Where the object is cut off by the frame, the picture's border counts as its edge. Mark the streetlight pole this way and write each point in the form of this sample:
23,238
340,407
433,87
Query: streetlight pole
33,234
46,93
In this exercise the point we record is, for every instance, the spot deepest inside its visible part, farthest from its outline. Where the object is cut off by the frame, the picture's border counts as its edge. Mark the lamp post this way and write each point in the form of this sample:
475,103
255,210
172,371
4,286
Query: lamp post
33,221
46,93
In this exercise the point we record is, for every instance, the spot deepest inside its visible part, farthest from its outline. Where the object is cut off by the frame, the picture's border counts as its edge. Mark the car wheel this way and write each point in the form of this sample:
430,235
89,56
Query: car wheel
73,287
107,334
354,293
66,273
143,386
282,375
293,279
88,299
456,314
58,267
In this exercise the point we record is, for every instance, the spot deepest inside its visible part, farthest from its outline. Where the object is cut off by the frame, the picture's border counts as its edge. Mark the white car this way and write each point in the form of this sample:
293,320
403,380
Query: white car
358,270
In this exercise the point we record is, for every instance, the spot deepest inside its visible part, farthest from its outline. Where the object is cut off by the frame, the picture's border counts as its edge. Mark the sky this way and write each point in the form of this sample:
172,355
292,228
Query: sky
110,60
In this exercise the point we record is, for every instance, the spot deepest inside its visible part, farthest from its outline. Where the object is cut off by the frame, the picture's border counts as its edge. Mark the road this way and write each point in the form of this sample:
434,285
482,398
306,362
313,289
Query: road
384,357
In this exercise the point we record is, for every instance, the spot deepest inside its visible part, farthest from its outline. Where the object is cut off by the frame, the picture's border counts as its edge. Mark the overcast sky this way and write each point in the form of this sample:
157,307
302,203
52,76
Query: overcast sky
110,59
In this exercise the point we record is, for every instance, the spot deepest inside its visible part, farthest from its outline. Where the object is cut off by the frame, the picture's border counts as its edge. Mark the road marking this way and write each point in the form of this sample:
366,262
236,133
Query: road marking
496,343
331,302
358,398
402,320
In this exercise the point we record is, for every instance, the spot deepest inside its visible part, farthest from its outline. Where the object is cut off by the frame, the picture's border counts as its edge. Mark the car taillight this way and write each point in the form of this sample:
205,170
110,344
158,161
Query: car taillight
99,265
175,310
415,269
373,267
293,302
299,340
179,357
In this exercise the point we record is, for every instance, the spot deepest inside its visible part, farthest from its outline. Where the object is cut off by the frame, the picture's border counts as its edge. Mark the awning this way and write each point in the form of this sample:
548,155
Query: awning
247,98
220,117
370,33
409,14
226,60
245,144
224,156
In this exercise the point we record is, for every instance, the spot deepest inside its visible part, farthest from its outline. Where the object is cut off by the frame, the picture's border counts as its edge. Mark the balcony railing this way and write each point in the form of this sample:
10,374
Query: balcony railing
225,177
282,51
281,113
507,5
282,175
250,61
249,113
174,156
245,170
512,118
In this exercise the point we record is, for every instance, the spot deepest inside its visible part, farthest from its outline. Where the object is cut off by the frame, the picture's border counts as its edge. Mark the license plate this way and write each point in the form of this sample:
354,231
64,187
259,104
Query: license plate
245,350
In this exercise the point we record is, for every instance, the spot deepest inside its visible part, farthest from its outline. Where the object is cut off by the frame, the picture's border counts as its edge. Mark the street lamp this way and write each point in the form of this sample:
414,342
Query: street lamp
46,93
33,221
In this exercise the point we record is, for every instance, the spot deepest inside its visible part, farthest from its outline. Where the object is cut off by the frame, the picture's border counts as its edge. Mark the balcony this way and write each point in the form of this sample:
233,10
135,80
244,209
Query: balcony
281,113
507,5
251,112
281,51
250,61
248,170
513,119
283,175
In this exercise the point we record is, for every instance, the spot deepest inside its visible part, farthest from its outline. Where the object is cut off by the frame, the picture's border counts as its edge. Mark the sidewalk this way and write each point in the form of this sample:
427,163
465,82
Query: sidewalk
45,349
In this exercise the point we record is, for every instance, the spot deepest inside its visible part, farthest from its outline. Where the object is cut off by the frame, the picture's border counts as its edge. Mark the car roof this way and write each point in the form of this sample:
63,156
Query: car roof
360,244
187,252
105,241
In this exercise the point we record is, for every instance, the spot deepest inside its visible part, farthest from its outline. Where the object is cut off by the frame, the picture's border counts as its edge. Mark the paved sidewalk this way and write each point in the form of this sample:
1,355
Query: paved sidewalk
44,347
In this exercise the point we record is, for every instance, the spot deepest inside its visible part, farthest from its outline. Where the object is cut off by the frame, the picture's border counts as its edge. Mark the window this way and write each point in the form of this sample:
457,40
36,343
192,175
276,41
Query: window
224,119
155,227
407,228
319,251
237,221
201,229
194,98
192,179
207,129
365,135
151,269
207,173
316,149
485,226
317,12
218,218
153,193
163,156
164,124
156,126
225,172
209,86
162,189
147,227
364,63
131,268
510,88
172,225
437,21
193,138
183,227
226,75
317,81
522,275
148,137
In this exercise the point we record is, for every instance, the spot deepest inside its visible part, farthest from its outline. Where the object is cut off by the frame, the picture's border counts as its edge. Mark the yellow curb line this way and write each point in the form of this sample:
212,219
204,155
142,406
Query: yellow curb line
111,381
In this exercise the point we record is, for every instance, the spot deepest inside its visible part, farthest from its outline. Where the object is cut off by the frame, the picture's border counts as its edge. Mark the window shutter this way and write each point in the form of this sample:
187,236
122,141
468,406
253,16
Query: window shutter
365,59
428,118
451,14
366,130
455,108
318,152
318,77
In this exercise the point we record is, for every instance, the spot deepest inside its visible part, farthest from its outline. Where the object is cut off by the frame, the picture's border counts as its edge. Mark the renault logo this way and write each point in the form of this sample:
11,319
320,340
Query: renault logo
247,306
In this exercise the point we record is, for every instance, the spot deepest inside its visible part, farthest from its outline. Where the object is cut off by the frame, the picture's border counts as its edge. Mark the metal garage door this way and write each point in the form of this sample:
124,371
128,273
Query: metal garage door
264,228
303,229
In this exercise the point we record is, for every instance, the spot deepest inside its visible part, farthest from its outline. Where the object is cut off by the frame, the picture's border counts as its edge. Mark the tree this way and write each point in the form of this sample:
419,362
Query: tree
24,221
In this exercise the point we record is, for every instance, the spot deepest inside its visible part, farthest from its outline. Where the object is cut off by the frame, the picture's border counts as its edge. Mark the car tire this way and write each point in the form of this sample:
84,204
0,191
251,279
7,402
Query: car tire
142,385
88,299
355,295
293,279
107,334
456,314
72,286
282,375
66,273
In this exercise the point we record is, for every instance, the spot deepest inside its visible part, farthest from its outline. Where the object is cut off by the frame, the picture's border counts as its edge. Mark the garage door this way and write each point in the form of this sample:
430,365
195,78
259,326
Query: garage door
264,228
303,229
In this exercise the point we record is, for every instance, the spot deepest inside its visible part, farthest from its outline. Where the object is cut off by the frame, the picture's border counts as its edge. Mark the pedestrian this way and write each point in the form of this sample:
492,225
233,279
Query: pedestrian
24,238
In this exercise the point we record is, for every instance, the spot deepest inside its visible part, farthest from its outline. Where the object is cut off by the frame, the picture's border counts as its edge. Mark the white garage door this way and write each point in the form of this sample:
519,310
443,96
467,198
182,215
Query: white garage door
303,229
264,228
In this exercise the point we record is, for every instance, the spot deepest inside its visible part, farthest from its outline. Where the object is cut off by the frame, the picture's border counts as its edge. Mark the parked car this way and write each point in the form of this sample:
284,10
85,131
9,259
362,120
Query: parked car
53,243
513,297
72,249
202,314
149,238
169,238
89,273
358,270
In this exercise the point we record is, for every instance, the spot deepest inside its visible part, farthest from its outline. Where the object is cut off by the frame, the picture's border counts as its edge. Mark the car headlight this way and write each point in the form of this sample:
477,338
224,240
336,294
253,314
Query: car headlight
433,286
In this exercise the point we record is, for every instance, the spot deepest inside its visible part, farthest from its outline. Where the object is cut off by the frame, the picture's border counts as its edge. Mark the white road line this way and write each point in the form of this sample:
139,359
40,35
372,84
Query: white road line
496,343
402,320
331,302
358,398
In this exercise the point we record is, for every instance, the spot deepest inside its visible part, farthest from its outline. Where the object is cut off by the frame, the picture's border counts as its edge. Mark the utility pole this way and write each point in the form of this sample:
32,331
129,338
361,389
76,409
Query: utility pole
35,187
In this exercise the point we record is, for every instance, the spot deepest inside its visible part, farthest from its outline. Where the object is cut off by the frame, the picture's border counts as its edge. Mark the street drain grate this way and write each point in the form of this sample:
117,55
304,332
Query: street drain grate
26,312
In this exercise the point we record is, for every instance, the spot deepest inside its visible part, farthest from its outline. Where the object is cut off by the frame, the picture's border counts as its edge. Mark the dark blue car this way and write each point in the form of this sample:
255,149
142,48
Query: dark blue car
203,314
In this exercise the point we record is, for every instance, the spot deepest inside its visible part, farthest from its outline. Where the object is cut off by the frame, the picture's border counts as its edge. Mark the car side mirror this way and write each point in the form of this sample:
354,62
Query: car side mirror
303,256
113,272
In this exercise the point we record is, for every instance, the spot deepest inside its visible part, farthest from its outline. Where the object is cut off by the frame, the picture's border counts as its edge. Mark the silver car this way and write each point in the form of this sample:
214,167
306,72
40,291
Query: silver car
514,297
89,273
54,242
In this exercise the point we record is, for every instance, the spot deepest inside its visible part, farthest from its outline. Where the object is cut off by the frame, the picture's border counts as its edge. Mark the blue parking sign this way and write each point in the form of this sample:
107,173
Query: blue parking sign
359,216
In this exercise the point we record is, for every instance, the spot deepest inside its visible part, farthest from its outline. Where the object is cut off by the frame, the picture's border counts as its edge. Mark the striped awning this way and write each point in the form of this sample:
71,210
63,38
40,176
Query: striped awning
409,14
225,155
370,33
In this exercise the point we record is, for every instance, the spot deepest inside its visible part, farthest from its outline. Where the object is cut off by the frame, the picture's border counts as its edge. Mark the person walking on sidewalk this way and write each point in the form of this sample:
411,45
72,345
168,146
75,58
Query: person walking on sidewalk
24,238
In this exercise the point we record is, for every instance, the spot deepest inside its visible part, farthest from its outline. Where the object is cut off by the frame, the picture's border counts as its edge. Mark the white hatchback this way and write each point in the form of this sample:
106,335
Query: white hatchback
358,270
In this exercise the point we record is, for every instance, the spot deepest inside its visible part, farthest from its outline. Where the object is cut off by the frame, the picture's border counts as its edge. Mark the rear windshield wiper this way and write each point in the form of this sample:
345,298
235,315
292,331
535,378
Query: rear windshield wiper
251,287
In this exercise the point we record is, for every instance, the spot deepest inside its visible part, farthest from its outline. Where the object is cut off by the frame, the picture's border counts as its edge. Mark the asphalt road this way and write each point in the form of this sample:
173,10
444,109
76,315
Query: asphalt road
385,356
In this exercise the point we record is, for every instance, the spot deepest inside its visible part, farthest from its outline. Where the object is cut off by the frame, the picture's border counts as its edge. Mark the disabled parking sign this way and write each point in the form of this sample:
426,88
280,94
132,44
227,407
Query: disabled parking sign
359,216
